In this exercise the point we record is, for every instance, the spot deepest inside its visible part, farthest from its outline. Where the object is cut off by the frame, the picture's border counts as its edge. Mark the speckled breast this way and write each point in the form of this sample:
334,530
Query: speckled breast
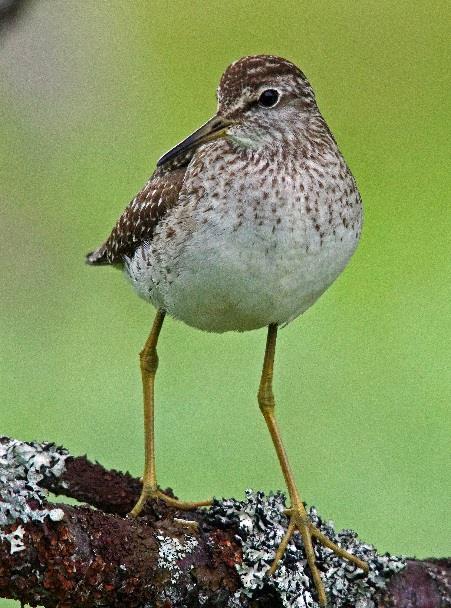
253,240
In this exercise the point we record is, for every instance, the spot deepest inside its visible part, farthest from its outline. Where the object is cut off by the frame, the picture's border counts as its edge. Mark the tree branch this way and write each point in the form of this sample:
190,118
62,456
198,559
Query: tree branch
61,556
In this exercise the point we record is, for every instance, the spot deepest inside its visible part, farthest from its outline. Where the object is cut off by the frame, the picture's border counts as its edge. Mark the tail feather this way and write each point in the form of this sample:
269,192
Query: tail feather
98,257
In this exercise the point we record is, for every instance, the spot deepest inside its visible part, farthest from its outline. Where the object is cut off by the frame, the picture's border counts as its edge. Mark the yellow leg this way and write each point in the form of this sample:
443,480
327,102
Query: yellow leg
149,364
299,520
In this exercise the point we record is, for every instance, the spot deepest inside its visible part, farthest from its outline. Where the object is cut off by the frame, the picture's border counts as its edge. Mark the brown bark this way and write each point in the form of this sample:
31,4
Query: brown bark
97,559
102,558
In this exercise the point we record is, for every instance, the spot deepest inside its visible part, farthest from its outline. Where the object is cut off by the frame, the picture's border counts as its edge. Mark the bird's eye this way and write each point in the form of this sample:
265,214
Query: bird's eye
268,98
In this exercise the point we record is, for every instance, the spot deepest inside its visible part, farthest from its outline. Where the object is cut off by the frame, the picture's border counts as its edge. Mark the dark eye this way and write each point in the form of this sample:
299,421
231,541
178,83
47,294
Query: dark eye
268,98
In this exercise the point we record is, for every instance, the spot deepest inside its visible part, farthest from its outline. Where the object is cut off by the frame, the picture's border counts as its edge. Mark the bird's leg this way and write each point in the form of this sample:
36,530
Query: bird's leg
149,364
298,518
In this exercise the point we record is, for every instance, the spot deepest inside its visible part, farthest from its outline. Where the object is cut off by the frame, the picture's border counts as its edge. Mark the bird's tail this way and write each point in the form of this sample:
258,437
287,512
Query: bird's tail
98,257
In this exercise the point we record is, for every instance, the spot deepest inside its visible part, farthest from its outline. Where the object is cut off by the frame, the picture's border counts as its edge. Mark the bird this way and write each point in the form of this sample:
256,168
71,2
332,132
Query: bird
243,225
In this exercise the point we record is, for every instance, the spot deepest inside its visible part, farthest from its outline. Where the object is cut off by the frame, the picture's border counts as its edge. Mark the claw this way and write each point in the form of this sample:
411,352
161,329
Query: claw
155,494
300,522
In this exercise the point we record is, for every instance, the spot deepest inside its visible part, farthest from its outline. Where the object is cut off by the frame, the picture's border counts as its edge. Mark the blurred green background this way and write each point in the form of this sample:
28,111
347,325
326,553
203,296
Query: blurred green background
91,94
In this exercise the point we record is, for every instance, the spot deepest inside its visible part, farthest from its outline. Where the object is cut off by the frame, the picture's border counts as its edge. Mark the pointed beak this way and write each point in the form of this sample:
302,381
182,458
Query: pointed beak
215,128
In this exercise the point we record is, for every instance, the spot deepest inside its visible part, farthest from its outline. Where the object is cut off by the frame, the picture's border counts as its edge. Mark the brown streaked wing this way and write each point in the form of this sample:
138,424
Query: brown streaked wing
138,221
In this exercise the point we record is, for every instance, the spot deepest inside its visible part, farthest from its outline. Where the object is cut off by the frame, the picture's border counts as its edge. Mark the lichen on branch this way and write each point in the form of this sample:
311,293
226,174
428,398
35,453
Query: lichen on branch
23,466
60,556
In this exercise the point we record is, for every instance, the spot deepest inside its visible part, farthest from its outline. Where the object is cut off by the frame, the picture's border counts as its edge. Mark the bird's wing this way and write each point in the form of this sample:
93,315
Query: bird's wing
138,221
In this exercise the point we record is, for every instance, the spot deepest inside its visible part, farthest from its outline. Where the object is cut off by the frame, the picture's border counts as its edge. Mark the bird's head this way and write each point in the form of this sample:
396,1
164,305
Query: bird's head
262,99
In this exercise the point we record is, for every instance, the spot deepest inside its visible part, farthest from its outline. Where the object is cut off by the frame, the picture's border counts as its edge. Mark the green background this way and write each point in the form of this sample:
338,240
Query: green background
91,94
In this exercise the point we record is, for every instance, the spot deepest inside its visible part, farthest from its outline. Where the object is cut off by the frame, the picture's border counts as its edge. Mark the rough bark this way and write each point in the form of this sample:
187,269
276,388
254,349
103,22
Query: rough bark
99,557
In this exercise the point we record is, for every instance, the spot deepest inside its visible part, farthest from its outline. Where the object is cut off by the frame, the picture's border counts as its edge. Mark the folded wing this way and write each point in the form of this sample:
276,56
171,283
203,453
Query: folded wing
138,221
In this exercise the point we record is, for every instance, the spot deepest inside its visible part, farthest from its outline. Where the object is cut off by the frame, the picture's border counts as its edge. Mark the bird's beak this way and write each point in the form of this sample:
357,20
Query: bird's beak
215,128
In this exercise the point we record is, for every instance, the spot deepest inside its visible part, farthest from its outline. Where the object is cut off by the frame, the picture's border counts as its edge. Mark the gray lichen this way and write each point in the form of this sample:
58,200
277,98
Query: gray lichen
261,524
22,466
171,551
15,539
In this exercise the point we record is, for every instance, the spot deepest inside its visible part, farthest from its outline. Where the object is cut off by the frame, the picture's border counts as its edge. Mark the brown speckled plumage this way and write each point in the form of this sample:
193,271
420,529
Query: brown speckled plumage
140,217
263,218
244,77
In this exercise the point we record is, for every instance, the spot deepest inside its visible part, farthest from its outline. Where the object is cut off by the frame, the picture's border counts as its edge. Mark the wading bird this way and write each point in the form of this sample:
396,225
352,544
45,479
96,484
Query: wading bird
243,225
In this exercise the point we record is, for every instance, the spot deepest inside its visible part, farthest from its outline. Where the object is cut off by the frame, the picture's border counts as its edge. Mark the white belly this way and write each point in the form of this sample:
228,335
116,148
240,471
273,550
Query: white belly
244,268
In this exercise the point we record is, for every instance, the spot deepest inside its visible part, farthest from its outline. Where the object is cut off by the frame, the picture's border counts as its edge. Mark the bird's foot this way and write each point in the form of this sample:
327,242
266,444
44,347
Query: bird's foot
300,522
153,493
